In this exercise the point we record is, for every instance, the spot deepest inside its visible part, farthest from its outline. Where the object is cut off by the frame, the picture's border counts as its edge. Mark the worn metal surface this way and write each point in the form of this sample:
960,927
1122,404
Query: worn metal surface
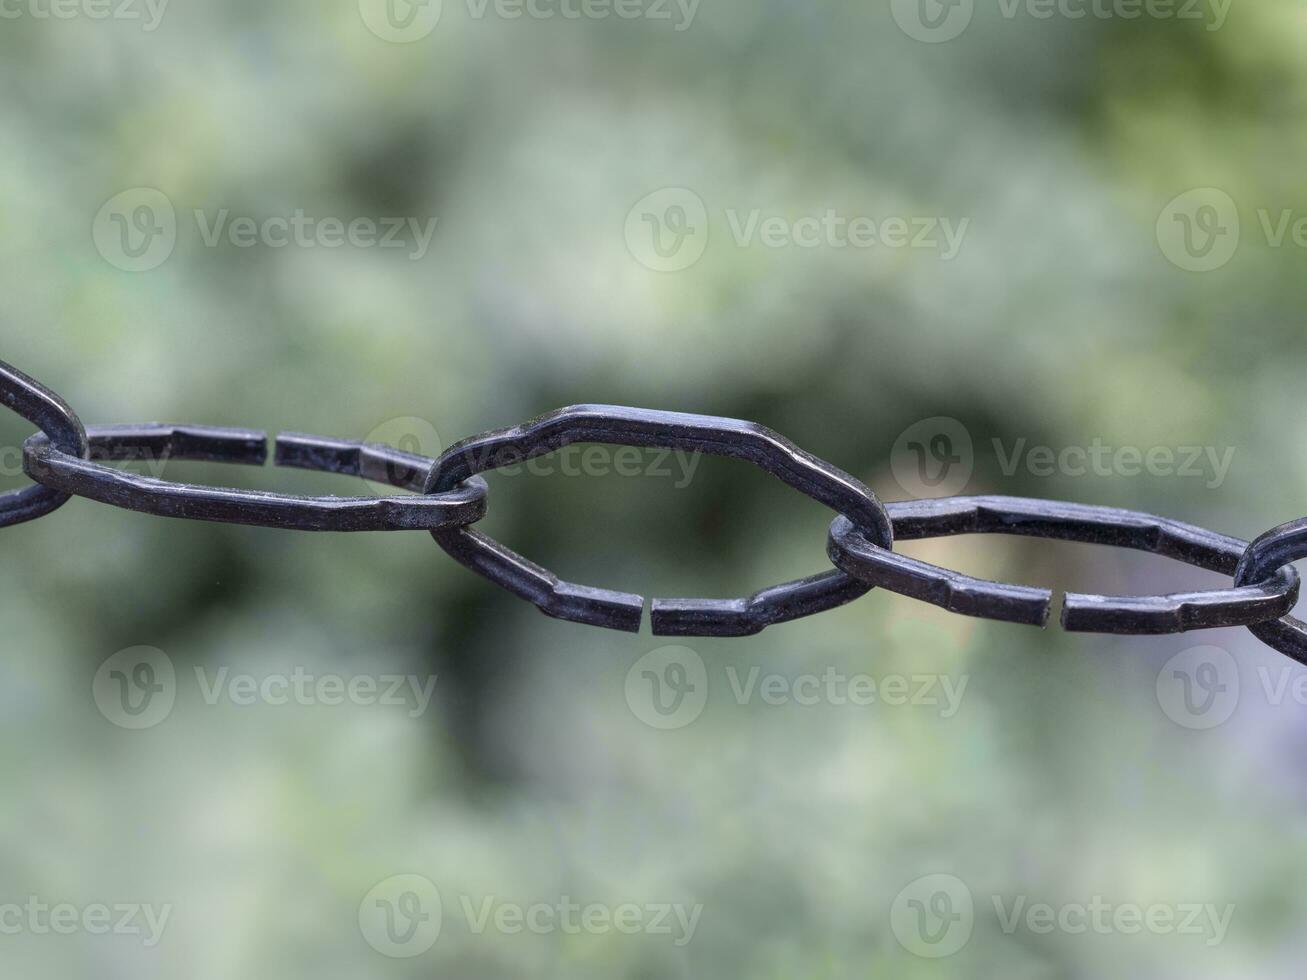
620,426
1268,597
91,478
447,495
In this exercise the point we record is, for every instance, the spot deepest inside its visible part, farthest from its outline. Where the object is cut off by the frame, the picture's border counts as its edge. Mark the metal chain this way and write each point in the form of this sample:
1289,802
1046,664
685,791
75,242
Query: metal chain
448,496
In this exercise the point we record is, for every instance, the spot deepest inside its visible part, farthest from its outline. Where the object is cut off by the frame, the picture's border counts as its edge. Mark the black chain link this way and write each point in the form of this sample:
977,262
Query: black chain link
662,430
1271,597
92,479
447,496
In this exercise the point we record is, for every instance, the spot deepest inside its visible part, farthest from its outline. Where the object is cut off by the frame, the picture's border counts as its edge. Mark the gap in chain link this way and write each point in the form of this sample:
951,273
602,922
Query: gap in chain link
1062,566
1067,566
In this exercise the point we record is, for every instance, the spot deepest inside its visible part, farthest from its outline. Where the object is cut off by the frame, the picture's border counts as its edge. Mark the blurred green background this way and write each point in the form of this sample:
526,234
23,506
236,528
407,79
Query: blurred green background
1075,312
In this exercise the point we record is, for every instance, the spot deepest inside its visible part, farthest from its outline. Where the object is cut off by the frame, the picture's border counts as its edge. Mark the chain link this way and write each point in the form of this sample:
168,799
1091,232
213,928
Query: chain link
447,496
661,430
1244,605
92,479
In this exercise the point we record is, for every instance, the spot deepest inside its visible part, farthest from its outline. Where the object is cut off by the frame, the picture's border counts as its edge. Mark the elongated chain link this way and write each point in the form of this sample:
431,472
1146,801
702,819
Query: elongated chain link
447,496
